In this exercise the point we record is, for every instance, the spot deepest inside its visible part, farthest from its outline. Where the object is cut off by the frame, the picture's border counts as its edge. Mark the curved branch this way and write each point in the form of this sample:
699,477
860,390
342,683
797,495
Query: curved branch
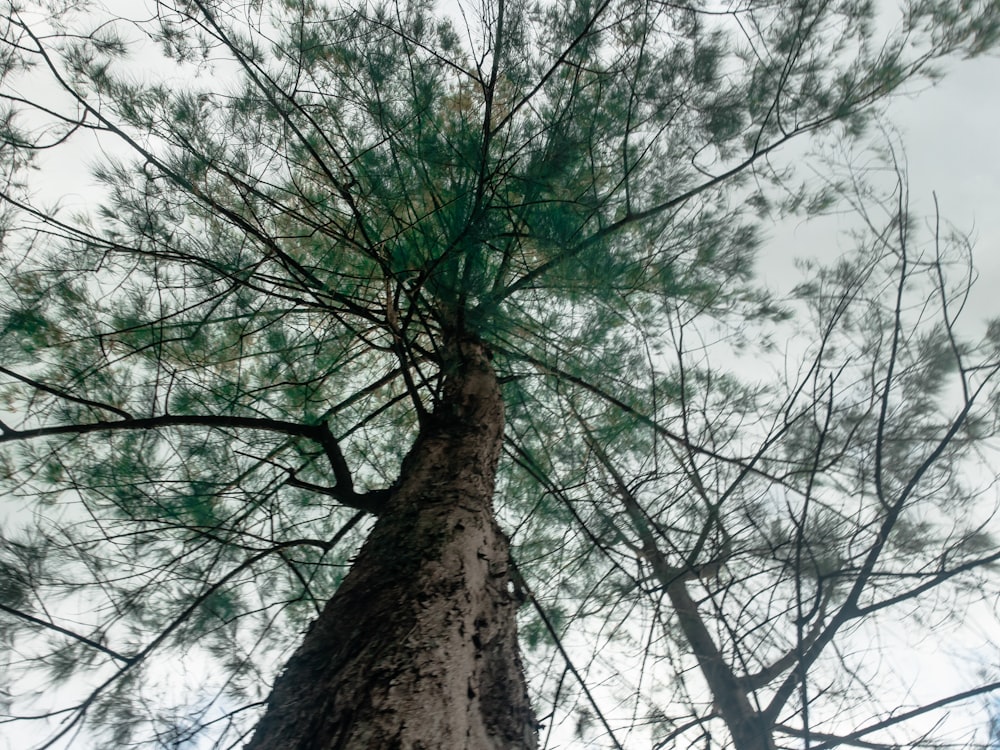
63,394
831,741
127,660
370,502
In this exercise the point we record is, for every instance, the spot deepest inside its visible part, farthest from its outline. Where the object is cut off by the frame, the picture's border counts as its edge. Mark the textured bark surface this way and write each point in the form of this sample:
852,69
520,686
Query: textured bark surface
418,648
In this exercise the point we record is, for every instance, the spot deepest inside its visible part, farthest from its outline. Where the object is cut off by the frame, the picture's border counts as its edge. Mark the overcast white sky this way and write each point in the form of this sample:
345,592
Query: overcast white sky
951,137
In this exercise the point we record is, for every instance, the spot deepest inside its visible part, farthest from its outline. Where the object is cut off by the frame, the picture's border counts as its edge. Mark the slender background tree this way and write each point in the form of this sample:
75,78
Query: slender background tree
392,329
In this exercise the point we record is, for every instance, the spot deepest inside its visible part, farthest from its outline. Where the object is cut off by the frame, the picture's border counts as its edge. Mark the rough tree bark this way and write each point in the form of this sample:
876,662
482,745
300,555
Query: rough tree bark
418,647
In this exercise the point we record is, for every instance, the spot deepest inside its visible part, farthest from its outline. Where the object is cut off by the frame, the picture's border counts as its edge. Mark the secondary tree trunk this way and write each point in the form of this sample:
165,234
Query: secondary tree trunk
746,726
418,647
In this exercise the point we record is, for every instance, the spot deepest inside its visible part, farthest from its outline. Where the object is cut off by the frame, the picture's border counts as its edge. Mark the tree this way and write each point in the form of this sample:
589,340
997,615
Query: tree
366,283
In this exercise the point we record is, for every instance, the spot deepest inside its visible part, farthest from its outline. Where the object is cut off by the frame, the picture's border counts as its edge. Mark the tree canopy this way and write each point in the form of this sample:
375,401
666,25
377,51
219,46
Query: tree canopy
213,370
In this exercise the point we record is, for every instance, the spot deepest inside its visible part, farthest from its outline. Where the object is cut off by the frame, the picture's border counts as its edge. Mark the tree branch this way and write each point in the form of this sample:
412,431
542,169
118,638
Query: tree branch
832,741
371,502
63,394
127,660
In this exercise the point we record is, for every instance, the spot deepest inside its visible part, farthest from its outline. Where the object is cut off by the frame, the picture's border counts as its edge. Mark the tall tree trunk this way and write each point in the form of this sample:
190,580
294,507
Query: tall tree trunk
418,647
747,728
